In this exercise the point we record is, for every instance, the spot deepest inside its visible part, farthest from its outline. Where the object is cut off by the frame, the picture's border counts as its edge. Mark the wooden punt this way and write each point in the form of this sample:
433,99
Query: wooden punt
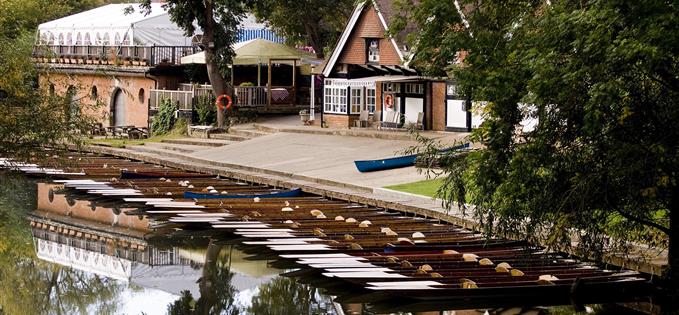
396,162
273,194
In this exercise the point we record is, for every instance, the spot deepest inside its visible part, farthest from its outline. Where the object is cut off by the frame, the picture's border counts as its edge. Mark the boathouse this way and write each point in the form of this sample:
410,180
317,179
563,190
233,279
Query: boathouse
116,59
369,72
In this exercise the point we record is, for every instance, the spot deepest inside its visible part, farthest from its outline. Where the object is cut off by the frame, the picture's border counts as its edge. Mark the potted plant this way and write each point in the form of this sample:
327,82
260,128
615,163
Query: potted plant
136,61
89,60
73,59
144,62
127,61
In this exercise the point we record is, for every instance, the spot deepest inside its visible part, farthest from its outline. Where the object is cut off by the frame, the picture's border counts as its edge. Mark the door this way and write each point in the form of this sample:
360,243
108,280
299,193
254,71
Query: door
119,109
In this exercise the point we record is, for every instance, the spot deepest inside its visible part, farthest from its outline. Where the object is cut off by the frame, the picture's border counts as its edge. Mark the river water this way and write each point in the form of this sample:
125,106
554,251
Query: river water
65,254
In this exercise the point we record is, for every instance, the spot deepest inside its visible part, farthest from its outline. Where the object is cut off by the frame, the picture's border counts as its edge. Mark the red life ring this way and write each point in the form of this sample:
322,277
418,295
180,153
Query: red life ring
220,102
389,101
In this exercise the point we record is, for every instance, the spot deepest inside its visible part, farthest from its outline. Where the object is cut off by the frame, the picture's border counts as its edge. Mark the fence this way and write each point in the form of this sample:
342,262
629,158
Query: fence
251,96
148,55
183,99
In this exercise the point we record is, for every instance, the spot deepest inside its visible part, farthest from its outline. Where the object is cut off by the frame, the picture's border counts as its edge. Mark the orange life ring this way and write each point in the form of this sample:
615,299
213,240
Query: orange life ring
220,102
389,101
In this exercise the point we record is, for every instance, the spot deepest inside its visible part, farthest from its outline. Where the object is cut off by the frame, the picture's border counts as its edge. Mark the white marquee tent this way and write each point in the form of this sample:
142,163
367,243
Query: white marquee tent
111,25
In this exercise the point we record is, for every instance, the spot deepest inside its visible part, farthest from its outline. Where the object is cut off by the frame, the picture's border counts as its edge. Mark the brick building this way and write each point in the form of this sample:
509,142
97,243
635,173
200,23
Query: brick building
115,60
369,71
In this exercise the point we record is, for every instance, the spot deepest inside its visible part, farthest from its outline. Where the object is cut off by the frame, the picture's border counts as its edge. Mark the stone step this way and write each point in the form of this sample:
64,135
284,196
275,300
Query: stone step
251,133
184,148
228,136
199,142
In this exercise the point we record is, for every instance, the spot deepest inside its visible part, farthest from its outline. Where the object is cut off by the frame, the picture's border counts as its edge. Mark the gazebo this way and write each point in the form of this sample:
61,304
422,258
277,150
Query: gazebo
254,54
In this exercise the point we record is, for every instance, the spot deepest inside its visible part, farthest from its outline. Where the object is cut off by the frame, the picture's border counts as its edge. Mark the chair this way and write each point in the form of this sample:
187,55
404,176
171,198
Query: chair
362,121
420,121
388,119
376,118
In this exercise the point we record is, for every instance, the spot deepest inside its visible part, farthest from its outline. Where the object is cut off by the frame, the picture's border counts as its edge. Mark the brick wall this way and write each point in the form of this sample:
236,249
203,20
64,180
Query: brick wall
340,121
100,107
438,103
368,26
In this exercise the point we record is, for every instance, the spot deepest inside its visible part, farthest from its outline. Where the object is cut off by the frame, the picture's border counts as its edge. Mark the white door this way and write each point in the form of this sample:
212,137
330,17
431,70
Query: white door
455,116
414,106
119,109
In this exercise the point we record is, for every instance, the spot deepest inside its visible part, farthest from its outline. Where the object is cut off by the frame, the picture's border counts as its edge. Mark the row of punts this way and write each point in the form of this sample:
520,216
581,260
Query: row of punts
357,252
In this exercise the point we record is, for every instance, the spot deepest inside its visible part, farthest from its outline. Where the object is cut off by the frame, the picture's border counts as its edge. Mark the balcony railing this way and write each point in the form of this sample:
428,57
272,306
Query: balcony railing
145,55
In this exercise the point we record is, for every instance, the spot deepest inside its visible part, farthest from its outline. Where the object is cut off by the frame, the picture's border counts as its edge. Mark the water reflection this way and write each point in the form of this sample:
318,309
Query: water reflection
64,254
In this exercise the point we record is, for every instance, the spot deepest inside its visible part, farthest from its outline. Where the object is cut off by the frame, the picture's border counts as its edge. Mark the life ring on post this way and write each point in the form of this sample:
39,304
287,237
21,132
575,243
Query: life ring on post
389,101
220,102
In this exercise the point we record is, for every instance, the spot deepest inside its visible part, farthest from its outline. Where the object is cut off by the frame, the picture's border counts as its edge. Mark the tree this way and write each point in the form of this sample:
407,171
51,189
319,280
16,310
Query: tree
601,77
32,119
219,20
317,23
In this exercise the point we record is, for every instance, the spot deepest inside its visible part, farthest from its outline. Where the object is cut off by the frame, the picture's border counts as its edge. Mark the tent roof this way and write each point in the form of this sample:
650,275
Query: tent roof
261,51
254,52
107,17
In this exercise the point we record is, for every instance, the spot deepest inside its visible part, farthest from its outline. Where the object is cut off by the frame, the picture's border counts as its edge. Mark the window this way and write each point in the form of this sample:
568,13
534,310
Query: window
94,94
370,100
414,88
141,96
391,87
373,53
335,100
356,100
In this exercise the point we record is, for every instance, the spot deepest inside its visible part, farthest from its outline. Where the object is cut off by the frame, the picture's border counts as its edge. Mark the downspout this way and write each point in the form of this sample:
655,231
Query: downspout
148,103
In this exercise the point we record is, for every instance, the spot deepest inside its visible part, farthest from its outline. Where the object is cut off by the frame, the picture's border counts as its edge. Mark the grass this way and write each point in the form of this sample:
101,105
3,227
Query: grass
425,187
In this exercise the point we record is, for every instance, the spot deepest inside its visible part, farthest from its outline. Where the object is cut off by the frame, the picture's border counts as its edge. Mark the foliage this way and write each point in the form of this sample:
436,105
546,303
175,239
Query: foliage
284,295
31,286
246,84
317,23
164,120
206,109
32,119
601,77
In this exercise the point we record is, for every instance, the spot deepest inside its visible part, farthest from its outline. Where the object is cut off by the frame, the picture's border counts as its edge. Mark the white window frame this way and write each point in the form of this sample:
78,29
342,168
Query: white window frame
357,101
335,100
370,100
373,55
414,88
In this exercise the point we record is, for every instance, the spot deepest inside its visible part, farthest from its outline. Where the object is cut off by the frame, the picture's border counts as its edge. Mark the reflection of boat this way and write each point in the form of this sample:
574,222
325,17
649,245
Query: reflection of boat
396,162
274,194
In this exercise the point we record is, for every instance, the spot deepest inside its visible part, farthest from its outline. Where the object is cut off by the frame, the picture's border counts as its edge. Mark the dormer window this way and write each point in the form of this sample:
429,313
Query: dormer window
373,45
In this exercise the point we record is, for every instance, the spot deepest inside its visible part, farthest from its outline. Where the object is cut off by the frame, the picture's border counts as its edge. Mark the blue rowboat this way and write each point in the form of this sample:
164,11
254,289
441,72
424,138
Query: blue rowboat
276,194
396,162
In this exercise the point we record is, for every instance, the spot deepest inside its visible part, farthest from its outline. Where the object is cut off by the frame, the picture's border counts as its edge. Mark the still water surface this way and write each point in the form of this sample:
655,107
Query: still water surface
65,254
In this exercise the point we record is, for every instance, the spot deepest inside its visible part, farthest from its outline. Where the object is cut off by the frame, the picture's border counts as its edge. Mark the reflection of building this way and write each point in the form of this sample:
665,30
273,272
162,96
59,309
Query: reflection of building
101,241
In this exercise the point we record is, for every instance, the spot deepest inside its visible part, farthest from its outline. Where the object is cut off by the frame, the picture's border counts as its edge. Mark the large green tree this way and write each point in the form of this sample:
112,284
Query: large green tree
218,20
32,119
317,23
602,79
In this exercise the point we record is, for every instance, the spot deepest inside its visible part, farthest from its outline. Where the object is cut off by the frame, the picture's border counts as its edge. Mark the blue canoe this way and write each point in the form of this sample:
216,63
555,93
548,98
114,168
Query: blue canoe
396,162
276,194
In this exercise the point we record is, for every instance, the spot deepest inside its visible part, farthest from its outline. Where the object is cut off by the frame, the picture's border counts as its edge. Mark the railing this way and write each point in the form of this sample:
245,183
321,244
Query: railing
144,55
183,99
251,96
198,89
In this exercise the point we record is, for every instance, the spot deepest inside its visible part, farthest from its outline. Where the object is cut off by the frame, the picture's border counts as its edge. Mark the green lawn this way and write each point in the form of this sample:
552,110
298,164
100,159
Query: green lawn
424,188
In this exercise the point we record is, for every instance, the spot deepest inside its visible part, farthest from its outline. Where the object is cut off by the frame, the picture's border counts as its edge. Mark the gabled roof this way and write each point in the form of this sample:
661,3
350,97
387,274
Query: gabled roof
346,34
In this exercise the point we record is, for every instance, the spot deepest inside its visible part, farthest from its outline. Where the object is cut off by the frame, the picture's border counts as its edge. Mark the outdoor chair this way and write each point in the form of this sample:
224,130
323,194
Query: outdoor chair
376,118
362,121
388,120
420,121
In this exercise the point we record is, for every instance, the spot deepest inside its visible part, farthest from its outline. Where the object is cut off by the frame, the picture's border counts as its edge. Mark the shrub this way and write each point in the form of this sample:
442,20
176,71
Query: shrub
164,120
206,110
